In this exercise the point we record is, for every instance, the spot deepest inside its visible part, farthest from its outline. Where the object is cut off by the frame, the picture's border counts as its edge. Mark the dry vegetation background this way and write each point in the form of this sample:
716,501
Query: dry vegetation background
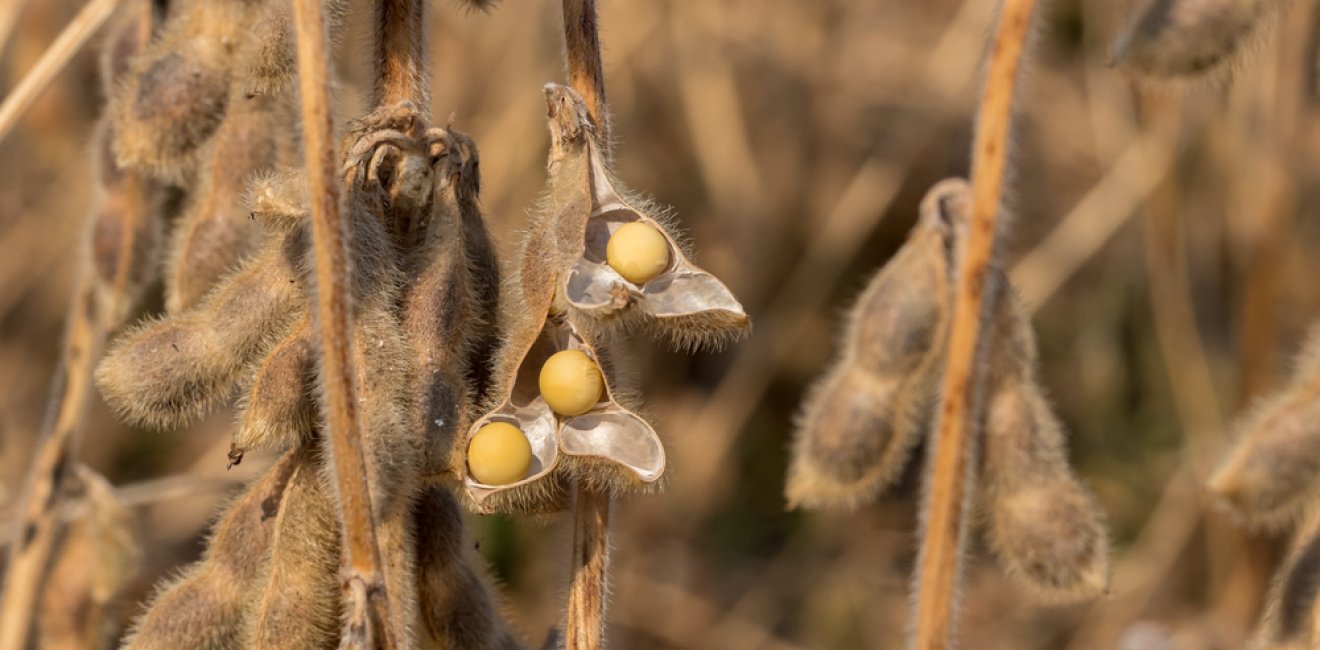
1162,240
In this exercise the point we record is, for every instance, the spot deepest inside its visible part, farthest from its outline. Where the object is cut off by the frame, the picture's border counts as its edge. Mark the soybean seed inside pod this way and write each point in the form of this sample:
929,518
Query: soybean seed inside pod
571,382
638,252
499,454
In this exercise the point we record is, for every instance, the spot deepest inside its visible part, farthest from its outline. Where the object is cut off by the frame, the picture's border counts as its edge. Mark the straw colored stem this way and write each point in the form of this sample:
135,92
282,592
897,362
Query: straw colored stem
36,529
942,546
74,36
333,311
401,53
585,629
585,73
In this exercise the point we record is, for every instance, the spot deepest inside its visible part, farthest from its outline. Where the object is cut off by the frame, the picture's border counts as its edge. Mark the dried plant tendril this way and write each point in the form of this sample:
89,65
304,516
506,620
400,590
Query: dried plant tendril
499,454
860,422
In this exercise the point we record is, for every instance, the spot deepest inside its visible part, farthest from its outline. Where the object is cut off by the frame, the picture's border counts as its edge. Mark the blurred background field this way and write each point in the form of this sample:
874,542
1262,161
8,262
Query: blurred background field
1163,240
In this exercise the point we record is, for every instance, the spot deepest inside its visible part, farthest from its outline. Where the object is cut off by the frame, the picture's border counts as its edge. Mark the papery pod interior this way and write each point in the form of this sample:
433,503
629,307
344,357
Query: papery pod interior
686,303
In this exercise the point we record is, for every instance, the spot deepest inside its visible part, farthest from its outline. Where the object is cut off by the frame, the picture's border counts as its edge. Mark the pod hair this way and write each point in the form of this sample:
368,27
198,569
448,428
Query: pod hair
1272,475
1291,620
861,420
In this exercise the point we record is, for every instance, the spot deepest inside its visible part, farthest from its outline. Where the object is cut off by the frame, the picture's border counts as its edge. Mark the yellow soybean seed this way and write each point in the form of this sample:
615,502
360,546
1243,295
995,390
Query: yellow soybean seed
571,383
499,454
638,252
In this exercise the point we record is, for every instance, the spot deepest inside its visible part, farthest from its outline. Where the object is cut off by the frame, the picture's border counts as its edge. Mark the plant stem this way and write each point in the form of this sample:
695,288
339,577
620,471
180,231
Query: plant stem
585,73
53,60
362,579
401,53
37,528
585,624
586,591
948,487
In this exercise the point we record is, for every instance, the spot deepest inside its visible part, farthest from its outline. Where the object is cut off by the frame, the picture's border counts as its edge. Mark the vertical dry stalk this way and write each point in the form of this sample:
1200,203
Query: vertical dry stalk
334,316
945,509
106,284
401,53
585,72
584,626
81,28
586,590
38,527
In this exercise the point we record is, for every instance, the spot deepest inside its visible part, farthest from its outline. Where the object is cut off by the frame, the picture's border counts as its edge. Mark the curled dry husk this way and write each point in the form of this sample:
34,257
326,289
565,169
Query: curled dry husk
554,303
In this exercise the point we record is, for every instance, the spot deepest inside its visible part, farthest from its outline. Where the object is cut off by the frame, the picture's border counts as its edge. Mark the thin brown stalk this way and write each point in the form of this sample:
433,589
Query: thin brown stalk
584,627
401,53
586,591
585,73
37,528
947,491
68,43
362,579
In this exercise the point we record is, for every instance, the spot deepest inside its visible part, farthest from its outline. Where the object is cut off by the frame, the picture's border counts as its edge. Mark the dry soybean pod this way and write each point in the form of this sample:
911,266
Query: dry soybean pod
204,608
216,232
1183,39
298,605
1044,527
630,452
1269,479
459,606
168,372
860,421
1292,611
176,94
279,410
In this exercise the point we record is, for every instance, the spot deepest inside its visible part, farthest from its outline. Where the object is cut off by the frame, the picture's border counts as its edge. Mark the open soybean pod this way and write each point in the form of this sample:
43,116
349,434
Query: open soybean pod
176,93
206,606
1045,528
1292,609
1175,39
862,419
597,441
530,443
1272,475
623,260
